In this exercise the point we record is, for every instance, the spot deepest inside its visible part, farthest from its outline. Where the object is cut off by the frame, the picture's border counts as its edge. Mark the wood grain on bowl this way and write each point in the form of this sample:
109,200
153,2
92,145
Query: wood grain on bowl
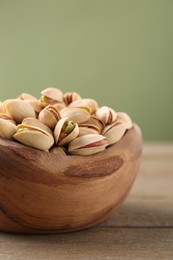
49,192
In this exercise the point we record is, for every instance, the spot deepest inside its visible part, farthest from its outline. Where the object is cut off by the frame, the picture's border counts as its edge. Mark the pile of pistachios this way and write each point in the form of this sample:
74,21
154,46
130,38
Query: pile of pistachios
67,120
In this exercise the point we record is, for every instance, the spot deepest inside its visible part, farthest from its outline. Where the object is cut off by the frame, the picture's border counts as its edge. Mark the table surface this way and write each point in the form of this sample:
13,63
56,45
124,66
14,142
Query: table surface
141,229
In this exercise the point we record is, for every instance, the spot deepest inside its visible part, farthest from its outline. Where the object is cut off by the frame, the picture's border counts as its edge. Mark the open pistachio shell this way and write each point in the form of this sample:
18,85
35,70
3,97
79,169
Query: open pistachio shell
87,144
106,114
26,96
51,96
124,118
76,114
114,132
18,109
34,137
49,116
94,123
85,102
7,126
65,131
69,97
36,122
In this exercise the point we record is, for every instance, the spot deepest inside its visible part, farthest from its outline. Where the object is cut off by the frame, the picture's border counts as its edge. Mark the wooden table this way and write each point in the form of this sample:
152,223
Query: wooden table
141,229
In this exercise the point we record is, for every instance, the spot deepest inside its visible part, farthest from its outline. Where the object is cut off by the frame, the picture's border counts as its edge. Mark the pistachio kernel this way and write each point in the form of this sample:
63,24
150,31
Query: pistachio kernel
43,99
69,127
21,130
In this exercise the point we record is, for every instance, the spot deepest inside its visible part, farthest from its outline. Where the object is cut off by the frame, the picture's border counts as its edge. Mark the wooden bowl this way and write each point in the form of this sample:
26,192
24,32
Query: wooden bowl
50,192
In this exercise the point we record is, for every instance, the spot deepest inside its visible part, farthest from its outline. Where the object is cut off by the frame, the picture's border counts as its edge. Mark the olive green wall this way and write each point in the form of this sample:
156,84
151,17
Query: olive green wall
119,52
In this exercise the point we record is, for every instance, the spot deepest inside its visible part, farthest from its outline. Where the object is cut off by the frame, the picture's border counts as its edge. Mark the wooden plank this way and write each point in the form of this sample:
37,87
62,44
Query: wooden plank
143,213
96,243
155,178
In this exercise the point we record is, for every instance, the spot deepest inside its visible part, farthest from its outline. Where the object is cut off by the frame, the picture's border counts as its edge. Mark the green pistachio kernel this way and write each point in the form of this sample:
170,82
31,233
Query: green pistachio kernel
69,126
21,130
43,99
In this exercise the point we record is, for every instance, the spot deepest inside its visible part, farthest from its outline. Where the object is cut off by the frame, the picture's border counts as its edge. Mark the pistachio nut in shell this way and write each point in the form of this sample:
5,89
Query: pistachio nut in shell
65,131
7,126
106,114
91,104
18,109
124,118
51,96
49,116
36,122
94,123
69,97
114,132
87,144
34,137
76,114
26,96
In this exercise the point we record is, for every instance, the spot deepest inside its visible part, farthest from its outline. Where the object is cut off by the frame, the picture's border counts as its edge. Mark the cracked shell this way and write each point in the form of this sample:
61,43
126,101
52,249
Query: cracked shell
91,104
26,96
51,96
76,114
114,132
69,97
94,123
18,109
87,144
65,131
7,126
124,118
36,122
49,116
34,137
106,115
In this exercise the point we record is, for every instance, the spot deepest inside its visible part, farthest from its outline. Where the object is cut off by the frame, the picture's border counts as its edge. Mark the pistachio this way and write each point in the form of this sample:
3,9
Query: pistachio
106,115
35,122
91,104
7,126
49,116
76,114
69,97
93,123
34,137
75,121
114,132
51,96
87,144
65,131
124,118
26,96
18,109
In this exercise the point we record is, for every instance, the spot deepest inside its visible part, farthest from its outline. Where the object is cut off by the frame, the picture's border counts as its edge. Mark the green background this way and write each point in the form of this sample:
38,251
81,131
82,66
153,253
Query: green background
119,52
